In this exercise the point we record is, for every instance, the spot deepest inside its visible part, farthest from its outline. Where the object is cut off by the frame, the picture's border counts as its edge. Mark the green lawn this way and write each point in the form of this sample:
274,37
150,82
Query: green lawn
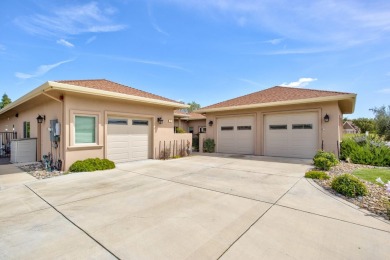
372,174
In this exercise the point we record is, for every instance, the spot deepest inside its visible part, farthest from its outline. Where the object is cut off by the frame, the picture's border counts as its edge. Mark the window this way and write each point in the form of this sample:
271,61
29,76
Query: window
227,128
26,129
302,126
117,121
85,129
278,127
202,129
244,127
191,129
140,122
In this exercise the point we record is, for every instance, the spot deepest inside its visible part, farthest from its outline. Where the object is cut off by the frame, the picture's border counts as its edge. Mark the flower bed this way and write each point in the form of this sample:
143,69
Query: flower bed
377,195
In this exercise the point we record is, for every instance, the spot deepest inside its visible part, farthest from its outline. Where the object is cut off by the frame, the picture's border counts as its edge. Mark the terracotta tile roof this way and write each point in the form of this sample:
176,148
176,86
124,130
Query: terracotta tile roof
275,94
189,116
103,84
196,116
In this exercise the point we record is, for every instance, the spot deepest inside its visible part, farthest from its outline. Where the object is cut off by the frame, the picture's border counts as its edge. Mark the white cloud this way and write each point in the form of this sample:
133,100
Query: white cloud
65,43
384,91
274,41
302,82
340,23
142,61
91,39
248,81
158,29
72,20
154,23
41,70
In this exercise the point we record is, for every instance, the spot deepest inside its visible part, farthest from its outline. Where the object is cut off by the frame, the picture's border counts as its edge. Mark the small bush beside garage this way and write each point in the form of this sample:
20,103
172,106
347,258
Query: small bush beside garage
91,165
325,160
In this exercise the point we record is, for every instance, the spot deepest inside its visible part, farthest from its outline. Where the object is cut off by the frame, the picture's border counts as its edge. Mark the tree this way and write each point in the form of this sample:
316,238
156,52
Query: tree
193,106
5,101
365,124
382,121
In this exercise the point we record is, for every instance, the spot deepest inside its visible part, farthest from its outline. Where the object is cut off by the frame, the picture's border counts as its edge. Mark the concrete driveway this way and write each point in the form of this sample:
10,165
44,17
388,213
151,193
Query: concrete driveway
198,207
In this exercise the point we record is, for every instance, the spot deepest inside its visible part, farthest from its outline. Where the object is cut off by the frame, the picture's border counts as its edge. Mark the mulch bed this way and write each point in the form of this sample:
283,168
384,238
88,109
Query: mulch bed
373,202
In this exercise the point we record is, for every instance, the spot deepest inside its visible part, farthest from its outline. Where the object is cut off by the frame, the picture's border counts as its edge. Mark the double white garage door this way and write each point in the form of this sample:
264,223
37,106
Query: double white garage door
128,139
286,135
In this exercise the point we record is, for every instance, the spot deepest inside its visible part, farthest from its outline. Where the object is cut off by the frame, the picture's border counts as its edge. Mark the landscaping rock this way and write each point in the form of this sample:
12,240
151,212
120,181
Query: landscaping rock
377,195
38,171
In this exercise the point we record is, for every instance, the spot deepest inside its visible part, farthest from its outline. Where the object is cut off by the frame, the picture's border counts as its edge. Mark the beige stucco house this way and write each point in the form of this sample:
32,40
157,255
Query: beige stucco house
193,123
279,121
95,118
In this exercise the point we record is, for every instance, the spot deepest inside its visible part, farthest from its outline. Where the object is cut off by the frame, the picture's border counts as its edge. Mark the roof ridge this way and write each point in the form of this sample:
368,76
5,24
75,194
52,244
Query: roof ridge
312,89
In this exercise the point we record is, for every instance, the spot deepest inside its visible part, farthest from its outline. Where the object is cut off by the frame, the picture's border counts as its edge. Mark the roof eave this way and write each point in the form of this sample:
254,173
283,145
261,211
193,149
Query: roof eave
104,93
30,95
351,97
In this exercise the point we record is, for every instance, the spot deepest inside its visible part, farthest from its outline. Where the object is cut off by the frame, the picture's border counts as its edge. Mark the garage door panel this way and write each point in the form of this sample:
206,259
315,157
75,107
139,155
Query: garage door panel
128,142
235,135
299,139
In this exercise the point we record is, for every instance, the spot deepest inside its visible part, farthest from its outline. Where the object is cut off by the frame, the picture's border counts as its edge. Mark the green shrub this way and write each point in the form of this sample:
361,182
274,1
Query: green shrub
180,130
317,175
92,164
324,160
349,186
365,150
209,145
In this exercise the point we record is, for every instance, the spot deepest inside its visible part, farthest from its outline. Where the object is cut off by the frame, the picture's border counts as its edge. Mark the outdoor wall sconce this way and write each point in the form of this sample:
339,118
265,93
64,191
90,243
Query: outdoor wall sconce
160,120
17,115
211,123
326,118
40,119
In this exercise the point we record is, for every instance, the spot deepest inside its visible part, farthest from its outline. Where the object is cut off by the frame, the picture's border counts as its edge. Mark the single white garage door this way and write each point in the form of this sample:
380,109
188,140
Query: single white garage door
236,135
128,139
291,135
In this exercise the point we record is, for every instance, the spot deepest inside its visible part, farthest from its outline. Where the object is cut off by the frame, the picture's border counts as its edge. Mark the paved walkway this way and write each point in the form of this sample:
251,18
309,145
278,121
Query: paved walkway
11,176
198,207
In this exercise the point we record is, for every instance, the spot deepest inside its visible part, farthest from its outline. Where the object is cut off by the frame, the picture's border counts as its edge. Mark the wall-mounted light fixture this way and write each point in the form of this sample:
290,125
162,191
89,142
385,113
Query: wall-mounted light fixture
160,120
211,123
17,115
326,118
40,119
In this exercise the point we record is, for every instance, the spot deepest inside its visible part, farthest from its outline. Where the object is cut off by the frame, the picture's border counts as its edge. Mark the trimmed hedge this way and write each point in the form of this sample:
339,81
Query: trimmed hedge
349,186
324,160
91,165
365,150
317,175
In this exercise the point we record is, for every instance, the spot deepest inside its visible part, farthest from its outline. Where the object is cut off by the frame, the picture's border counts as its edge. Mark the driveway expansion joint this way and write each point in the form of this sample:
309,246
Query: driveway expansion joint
257,220
74,224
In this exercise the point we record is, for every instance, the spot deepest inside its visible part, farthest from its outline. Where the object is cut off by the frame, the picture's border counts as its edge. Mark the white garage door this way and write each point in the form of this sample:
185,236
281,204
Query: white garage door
128,139
291,135
236,135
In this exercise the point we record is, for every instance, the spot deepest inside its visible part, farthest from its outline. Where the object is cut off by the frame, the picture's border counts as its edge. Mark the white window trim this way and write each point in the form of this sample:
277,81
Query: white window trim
97,117
202,127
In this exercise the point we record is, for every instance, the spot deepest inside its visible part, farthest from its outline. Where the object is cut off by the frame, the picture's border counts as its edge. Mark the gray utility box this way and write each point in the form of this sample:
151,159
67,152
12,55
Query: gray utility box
23,150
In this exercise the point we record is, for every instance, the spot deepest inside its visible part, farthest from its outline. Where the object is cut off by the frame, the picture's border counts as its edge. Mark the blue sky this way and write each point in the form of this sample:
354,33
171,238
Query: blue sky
200,50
